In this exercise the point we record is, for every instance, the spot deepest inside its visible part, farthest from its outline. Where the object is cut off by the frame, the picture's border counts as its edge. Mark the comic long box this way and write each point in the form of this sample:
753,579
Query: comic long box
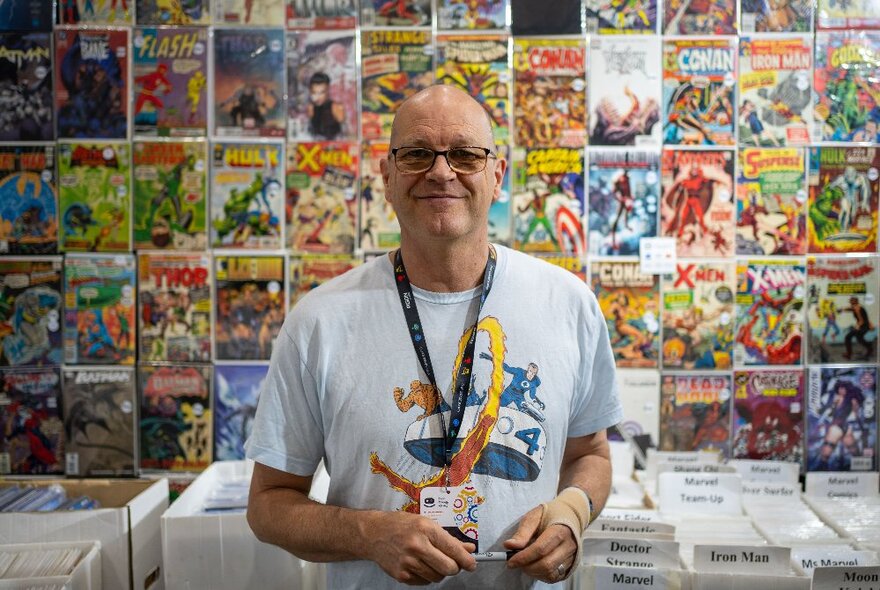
85,575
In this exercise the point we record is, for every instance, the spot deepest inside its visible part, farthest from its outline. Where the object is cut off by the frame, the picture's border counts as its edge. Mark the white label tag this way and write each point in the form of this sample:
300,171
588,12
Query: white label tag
809,558
631,515
775,471
655,458
765,489
657,256
846,578
835,484
623,578
742,559
694,468
701,493
623,552
602,525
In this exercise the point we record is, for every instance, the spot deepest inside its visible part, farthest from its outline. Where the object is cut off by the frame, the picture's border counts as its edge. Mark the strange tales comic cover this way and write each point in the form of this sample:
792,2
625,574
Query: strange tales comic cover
472,14
768,415
28,204
621,17
26,108
173,12
30,311
695,412
236,392
31,428
310,271
378,228
329,14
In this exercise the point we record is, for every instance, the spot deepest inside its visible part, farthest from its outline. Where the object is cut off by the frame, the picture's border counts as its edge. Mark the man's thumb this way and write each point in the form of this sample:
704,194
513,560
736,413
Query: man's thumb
528,526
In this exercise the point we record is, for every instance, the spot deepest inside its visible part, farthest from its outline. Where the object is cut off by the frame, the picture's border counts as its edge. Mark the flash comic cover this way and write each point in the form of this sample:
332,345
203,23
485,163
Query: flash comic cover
30,311
100,421
26,108
396,13
310,271
630,302
28,207
856,14
843,194
249,12
322,197
249,306
94,197
777,16
500,226
247,195
550,92
27,15
378,228
330,14
624,200
32,433
843,295
695,412
96,12
176,422
842,419
639,394
472,14
771,196
170,195
173,12
697,207
322,86
769,312
700,17
249,87
236,392
621,17
768,415
395,64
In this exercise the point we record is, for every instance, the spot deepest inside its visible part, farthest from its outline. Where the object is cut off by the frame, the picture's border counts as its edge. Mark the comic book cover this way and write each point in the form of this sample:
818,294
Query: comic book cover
843,295
576,265
32,433
695,412
170,81
249,87
247,195
377,224
775,94
236,391
310,271
700,17
99,309
174,307
844,189
322,197
30,311
769,312
249,306
173,12
699,85
96,12
100,421
630,302
26,107
250,12
550,92
640,396
528,18
28,206
699,315
396,13
330,14
697,208
847,104
777,16
27,15
394,65
170,195
624,199
621,17
771,197
322,88
472,15
842,419
768,415
176,425
500,219
94,197
91,83
847,16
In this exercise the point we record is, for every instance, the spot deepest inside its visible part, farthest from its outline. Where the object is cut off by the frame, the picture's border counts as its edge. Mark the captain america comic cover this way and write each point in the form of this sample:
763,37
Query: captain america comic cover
844,189
695,412
630,303
843,295
769,312
170,181
96,12
625,82
27,112
771,197
472,15
28,199
236,392
321,189
378,228
31,427
100,421
700,17
847,15
623,200
322,90
249,12
768,415
312,270
697,207
172,12
31,308
500,218
776,16
396,13
549,92
27,15
328,14
621,17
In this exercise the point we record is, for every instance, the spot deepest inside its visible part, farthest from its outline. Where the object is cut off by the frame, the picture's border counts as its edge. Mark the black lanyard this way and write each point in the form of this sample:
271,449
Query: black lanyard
416,333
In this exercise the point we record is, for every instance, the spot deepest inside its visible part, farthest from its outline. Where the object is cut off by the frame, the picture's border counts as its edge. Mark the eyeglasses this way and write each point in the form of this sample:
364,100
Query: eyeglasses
462,160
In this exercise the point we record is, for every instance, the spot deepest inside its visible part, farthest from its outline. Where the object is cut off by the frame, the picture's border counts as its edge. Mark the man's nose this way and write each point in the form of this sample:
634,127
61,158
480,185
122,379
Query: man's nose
440,169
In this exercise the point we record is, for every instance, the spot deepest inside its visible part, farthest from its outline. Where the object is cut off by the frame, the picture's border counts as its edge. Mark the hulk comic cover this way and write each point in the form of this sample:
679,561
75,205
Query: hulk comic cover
28,199
330,14
844,188
500,218
236,392
396,13
311,270
700,17
378,228
768,415
96,12
94,197
172,12
472,15
776,16
695,412
621,17
249,12
27,15
771,196
31,427
27,112
847,16
30,311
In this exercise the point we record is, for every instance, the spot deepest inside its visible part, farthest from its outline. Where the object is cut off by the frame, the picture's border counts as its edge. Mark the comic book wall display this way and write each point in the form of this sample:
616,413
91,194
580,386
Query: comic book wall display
771,196
170,81
621,17
844,189
624,200
236,392
249,12
170,195
471,14
100,421
843,295
99,309
833,14
32,433
641,408
249,86
26,108
94,197
247,195
377,223
330,14
625,82
769,312
176,422
321,86
30,311
842,419
768,415
27,15
172,12
700,17
308,272
697,207
499,211
699,85
630,302
322,197
576,265
28,201
396,13
91,83
777,16
695,412
96,12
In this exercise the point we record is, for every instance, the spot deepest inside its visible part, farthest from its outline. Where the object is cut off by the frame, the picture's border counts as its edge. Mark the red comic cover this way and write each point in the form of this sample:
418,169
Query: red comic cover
768,415
31,427
695,412
396,13
472,14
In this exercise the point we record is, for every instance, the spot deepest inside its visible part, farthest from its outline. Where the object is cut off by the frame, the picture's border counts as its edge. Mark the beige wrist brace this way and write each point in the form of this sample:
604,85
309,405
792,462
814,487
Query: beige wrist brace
572,509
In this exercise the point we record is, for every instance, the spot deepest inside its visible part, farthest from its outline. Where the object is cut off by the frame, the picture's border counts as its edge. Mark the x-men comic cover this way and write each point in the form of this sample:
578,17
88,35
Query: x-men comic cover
396,13
236,392
700,17
27,112
621,17
173,12
768,415
472,14
695,412
31,427
30,311
776,16
857,14
378,228
311,270
249,12
28,15
28,199
96,12
330,14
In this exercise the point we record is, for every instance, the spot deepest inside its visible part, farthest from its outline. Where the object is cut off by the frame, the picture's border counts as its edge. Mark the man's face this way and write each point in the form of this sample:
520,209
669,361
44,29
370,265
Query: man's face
318,94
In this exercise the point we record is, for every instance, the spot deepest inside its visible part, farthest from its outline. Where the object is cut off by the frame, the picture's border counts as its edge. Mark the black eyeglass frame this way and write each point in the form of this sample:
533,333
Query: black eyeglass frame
487,151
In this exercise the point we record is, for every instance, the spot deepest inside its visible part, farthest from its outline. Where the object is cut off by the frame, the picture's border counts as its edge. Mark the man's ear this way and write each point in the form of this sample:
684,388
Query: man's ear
385,170
500,167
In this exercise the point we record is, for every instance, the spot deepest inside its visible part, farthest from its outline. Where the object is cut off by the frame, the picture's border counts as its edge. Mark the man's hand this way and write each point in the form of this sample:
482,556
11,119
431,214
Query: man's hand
542,552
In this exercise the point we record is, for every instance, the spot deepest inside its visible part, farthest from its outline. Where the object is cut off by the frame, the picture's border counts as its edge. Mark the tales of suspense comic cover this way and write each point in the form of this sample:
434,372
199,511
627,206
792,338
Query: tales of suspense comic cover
310,271
173,12
28,201
30,311
378,228
768,415
27,112
621,17
236,392
329,14
472,14
31,427
695,412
